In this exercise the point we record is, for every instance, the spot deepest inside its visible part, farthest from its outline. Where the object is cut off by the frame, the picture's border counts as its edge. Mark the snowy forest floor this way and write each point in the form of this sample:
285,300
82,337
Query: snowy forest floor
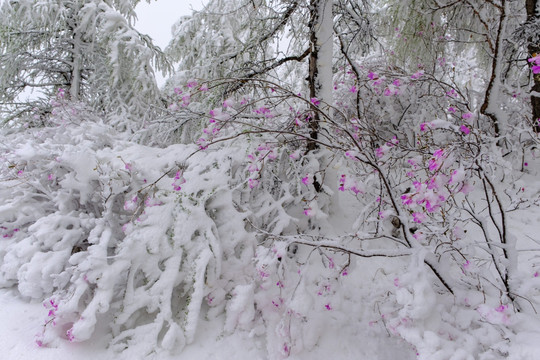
22,320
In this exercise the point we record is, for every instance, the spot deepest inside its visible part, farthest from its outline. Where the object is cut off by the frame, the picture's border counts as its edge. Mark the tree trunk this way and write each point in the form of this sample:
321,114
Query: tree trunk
321,25
534,48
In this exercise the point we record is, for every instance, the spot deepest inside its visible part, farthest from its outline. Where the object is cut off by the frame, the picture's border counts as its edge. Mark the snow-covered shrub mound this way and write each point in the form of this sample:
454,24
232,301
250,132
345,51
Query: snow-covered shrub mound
104,226
250,229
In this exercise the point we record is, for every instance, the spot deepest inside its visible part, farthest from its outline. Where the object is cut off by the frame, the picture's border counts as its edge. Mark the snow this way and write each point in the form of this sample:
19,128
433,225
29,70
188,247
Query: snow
22,320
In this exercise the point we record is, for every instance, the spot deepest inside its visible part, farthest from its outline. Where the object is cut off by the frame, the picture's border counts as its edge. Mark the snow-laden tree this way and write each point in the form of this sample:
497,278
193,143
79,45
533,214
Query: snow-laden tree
89,49
382,203
499,35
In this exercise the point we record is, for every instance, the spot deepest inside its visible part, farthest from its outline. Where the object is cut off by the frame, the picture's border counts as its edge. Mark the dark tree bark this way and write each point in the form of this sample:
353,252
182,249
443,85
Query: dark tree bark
534,49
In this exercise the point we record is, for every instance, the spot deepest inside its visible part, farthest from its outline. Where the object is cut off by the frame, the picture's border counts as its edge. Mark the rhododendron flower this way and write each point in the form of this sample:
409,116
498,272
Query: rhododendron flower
464,129
191,83
131,205
69,335
353,89
342,183
536,61
203,88
253,183
372,76
406,199
186,100
417,75
203,144
466,188
307,180
308,212
228,103
295,155
381,151
452,109
467,115
419,217
315,101
457,176
425,126
263,111
178,181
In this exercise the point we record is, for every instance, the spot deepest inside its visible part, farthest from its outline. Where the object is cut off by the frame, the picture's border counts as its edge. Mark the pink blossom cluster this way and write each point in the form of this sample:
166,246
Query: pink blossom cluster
346,183
6,233
178,180
431,194
383,150
256,161
535,60
52,307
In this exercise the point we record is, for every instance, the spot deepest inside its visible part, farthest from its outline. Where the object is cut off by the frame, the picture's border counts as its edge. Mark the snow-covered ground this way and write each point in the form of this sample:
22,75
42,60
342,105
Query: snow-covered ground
21,321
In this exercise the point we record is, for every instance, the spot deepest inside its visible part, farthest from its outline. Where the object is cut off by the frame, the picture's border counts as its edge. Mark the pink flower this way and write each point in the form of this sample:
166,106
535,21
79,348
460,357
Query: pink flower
178,180
203,88
307,180
535,59
467,115
315,101
253,183
464,129
372,76
51,177
295,155
452,109
328,307
70,335
228,103
406,199
203,144
536,69
308,212
191,83
396,282
466,188
186,99
353,89
417,75
438,153
419,217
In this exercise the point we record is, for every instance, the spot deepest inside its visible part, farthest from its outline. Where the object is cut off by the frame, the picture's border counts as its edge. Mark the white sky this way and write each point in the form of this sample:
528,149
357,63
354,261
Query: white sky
157,18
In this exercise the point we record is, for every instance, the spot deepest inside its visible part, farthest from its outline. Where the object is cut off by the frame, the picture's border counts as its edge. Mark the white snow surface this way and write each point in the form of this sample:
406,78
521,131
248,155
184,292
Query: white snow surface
21,320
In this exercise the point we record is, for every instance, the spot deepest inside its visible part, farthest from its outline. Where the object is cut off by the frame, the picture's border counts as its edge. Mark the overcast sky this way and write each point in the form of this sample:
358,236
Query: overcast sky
156,19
